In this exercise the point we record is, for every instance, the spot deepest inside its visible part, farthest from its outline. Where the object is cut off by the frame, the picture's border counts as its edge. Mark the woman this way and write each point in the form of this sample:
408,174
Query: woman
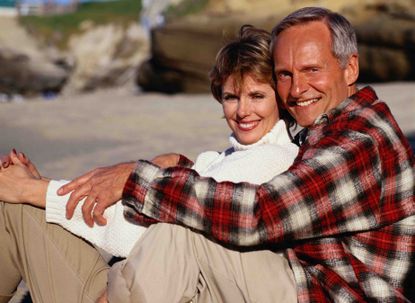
242,82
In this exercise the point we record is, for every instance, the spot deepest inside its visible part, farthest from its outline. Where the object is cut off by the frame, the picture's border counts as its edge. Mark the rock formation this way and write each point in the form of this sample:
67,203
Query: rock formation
184,50
27,75
25,70
106,55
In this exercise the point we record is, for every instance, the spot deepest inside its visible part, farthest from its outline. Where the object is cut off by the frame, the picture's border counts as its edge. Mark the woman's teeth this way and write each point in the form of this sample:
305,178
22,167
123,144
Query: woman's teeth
249,125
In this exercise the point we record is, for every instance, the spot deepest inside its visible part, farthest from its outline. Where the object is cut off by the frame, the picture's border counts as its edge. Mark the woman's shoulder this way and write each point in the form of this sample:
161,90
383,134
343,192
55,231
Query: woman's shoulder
206,158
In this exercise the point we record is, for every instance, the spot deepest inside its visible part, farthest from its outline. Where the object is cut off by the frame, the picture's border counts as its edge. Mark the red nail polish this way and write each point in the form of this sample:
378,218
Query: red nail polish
14,151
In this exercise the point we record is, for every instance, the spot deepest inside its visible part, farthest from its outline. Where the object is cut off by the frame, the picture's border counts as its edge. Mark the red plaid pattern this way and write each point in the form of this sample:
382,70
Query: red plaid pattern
344,210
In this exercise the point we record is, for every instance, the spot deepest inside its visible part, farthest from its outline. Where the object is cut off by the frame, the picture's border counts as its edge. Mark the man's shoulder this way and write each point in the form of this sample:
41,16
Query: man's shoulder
365,111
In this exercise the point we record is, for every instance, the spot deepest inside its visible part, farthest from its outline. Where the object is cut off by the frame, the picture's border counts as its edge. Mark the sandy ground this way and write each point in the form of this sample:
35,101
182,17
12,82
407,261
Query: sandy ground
70,135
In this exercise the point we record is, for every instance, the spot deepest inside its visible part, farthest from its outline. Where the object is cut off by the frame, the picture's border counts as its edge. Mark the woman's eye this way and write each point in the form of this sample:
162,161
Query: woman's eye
229,98
258,96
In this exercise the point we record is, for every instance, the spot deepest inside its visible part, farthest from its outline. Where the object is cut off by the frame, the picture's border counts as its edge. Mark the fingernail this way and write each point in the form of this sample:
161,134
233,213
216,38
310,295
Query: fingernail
14,151
24,156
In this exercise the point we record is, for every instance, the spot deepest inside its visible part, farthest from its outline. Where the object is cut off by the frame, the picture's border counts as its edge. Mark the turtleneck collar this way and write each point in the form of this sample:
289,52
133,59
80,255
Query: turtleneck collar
277,135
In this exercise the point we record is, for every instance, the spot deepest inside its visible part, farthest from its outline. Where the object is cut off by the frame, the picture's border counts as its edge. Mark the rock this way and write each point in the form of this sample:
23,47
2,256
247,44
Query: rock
185,49
25,69
28,75
386,37
106,55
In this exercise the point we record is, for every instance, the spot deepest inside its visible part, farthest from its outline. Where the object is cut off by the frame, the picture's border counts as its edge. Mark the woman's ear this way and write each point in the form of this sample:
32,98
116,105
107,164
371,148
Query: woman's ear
352,70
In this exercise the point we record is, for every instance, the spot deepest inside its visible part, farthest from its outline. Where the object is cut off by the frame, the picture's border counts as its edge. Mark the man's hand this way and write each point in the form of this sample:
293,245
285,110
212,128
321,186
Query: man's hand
102,187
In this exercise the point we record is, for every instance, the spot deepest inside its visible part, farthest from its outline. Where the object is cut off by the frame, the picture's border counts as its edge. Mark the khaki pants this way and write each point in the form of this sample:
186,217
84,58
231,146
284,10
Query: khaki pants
172,264
56,265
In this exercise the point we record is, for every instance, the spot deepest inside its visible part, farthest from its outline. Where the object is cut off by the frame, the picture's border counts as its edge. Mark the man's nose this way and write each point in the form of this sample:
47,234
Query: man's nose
299,85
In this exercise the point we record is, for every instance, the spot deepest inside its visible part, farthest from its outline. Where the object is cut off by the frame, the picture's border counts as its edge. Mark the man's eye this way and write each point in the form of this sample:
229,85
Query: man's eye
283,75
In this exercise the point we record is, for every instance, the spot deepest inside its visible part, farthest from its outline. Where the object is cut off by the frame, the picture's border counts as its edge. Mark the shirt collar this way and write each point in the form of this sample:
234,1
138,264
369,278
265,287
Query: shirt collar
362,97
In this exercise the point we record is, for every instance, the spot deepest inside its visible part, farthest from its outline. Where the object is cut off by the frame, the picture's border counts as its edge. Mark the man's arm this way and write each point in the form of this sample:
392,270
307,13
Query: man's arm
336,188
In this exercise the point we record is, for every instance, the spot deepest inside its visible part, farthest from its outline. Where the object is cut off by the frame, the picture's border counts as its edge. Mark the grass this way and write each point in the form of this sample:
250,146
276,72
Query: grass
56,29
184,8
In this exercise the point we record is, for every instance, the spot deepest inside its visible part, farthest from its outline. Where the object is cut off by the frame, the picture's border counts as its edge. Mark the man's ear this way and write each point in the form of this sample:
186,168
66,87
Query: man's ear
352,70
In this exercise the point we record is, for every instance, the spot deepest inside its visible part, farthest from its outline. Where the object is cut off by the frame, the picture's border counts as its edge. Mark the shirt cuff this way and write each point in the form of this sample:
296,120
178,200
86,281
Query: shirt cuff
138,184
55,204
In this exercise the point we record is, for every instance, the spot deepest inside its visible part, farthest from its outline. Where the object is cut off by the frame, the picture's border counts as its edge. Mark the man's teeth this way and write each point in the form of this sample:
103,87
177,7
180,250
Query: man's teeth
306,103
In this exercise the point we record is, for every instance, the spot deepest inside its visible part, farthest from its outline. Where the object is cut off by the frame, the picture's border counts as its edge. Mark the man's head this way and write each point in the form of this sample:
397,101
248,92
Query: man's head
315,62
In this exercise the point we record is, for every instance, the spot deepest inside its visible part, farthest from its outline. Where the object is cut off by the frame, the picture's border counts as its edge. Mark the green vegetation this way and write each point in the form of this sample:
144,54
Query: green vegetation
57,29
184,8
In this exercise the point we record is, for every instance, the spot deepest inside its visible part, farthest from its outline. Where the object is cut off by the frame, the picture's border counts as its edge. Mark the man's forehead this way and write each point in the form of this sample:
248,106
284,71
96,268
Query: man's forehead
304,31
303,39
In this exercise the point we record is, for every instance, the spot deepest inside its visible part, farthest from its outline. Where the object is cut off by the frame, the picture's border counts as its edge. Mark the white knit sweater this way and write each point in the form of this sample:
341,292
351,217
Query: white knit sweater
256,163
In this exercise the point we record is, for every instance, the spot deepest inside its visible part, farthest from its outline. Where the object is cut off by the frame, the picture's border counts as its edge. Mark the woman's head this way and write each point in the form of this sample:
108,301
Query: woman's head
242,81
247,54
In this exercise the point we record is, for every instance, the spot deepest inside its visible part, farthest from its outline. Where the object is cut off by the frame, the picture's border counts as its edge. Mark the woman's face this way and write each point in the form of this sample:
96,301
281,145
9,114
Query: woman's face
250,109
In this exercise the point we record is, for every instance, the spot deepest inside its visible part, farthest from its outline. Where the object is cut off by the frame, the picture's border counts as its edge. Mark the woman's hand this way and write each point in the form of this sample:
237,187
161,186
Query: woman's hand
166,160
19,185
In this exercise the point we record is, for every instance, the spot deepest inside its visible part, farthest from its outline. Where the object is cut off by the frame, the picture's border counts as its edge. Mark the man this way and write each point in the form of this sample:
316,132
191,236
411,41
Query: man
344,210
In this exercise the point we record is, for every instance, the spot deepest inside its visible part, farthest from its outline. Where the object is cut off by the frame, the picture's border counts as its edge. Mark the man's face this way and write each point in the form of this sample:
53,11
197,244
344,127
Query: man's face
310,80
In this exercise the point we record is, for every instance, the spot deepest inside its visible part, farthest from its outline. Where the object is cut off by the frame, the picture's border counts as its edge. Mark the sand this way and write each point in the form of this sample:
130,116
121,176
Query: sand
70,135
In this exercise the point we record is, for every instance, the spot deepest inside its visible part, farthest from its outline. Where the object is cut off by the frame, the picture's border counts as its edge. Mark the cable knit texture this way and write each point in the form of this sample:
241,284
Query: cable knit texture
117,237
255,163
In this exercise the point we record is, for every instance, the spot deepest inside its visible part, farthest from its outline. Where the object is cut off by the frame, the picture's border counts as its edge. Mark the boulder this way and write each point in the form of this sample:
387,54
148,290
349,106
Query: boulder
106,55
23,74
25,68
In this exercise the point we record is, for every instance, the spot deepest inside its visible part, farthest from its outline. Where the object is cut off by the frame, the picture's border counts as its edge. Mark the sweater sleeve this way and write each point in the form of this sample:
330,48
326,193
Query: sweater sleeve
117,237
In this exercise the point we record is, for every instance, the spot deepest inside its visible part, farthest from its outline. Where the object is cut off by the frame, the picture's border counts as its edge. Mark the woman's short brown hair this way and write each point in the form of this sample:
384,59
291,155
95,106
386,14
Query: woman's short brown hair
249,53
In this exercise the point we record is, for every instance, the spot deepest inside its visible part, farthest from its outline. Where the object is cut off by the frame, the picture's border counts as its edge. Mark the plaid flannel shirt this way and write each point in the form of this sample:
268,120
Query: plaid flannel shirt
343,211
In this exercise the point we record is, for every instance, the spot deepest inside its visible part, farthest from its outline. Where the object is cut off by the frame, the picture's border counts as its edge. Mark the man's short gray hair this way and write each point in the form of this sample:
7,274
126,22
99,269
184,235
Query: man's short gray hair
343,35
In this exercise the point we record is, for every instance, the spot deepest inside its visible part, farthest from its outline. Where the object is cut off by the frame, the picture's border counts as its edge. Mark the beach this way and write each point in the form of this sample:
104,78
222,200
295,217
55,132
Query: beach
69,135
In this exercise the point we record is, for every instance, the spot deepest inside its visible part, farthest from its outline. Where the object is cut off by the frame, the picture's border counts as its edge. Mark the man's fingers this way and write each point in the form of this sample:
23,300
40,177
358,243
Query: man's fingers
99,214
74,199
87,208
75,183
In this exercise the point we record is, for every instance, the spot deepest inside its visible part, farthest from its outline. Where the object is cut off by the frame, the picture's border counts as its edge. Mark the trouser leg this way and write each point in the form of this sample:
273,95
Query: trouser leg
172,264
10,272
155,273
56,265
